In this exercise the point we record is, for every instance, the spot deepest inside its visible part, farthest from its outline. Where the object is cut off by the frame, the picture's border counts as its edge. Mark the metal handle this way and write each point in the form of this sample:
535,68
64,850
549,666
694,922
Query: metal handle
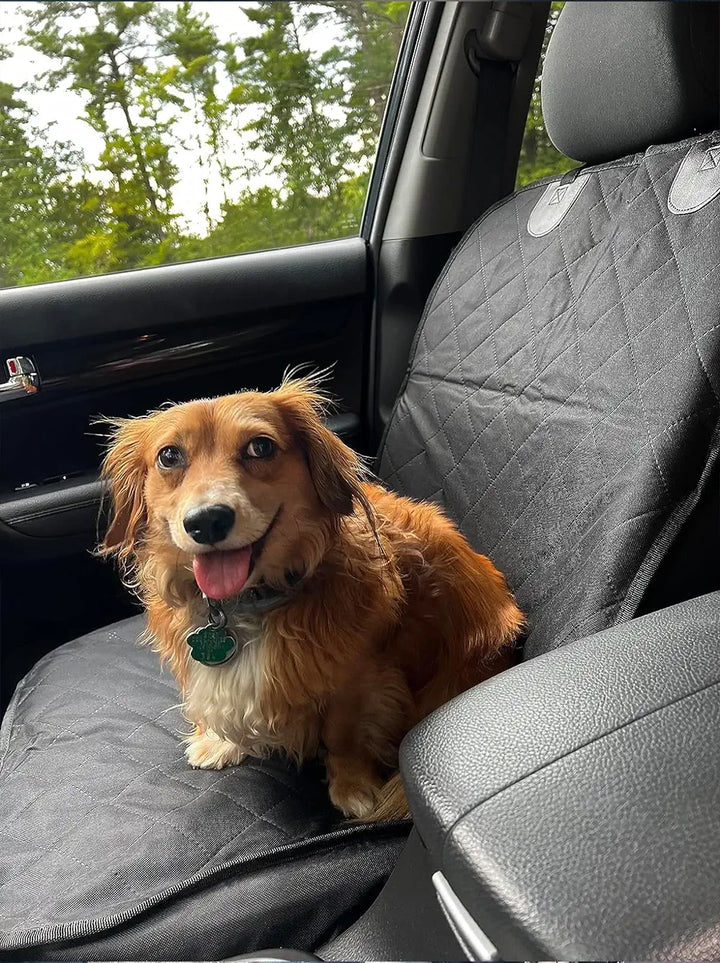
24,379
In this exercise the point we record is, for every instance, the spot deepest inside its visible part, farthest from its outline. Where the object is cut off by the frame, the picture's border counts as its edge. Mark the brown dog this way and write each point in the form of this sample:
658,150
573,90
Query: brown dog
351,612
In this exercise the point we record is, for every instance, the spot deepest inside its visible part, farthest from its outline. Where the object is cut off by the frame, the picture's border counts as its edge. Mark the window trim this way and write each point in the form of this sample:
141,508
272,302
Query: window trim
407,82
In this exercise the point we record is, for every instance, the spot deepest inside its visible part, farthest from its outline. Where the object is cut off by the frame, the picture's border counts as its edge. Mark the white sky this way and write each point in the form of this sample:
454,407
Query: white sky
59,111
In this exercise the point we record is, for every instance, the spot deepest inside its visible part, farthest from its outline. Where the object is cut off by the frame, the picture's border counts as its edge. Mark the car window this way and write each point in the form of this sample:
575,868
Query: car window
135,134
538,157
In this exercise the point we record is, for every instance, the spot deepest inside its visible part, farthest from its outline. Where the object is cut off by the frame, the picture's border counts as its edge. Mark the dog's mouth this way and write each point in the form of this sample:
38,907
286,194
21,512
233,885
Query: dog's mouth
224,574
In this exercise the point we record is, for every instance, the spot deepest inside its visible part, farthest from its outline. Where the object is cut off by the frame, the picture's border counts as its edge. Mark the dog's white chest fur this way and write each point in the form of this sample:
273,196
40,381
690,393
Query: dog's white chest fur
231,699
226,698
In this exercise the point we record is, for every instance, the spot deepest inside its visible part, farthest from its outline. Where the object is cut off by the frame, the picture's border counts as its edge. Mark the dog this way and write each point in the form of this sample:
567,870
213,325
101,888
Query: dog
301,607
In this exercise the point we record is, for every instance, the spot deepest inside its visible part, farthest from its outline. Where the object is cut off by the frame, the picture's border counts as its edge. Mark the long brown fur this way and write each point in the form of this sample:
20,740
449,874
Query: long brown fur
395,614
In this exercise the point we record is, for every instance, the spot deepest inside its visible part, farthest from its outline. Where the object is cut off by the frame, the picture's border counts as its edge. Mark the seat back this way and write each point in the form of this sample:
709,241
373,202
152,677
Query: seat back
563,394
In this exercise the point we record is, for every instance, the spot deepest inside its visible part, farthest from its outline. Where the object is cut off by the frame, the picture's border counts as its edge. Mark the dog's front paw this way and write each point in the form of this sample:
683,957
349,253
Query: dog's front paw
206,750
355,798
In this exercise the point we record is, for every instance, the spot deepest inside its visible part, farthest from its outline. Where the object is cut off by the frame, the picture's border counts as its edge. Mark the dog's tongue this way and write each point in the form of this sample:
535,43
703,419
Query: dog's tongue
221,575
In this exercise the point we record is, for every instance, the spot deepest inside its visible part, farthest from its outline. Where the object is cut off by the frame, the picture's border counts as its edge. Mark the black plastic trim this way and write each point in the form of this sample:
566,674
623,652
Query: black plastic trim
403,97
182,293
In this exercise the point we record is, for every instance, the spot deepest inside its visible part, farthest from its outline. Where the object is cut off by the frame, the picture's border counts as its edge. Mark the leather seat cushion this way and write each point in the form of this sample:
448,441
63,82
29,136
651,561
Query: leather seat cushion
112,847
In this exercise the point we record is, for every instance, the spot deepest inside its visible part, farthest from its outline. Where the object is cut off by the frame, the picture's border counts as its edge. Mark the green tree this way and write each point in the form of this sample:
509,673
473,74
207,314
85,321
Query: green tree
295,93
309,118
43,210
101,49
318,115
538,157
371,36
188,39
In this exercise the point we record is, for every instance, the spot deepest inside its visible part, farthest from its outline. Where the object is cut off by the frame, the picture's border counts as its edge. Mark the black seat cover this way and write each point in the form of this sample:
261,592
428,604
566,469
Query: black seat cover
561,403
112,847
562,398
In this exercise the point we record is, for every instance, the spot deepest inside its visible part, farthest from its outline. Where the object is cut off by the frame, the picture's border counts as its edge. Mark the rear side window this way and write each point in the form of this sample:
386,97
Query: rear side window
135,134
538,157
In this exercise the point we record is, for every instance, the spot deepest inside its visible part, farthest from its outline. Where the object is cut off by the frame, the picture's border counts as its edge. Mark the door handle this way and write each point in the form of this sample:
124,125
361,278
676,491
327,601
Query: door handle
23,379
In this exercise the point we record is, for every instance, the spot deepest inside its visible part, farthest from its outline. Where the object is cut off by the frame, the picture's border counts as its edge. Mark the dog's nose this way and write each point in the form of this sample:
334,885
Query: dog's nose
209,524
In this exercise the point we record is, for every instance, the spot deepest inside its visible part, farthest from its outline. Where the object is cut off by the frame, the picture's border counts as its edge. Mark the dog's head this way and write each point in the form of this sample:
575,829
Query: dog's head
225,493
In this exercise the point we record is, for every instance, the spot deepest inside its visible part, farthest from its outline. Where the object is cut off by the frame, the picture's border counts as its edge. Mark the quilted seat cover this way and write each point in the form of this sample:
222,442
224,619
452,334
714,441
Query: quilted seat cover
113,848
562,396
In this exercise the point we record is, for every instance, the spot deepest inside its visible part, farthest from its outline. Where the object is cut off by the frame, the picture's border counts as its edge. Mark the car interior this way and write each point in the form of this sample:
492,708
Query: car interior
543,361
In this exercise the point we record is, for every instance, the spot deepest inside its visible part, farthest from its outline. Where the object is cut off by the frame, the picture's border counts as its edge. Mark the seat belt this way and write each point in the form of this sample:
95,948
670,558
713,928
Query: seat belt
487,182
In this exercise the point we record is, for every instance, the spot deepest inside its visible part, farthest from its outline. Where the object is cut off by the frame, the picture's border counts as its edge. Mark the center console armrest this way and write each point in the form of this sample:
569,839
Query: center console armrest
571,805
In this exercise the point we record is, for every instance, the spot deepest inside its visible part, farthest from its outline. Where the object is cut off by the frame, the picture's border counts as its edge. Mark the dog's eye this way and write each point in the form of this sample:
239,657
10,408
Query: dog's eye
171,457
260,447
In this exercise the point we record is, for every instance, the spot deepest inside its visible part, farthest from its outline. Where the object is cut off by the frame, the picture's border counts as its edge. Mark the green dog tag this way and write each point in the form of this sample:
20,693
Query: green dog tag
212,645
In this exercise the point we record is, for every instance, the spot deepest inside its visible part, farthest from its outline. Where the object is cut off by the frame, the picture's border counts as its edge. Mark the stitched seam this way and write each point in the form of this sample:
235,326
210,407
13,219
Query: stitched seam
396,418
209,856
493,341
637,452
634,362
446,377
405,464
67,727
83,929
382,453
456,461
630,164
600,492
572,556
603,470
420,401
671,528
597,494
684,292
94,805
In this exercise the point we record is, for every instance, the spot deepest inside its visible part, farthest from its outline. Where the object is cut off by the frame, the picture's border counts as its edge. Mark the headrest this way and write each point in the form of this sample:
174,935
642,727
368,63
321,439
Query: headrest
620,76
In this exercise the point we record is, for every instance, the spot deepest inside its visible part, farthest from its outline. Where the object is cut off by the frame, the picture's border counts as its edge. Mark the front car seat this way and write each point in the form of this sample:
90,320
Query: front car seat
563,396
561,402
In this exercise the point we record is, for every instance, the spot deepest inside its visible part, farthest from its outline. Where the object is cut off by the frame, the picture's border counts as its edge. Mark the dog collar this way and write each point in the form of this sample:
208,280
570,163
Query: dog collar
261,599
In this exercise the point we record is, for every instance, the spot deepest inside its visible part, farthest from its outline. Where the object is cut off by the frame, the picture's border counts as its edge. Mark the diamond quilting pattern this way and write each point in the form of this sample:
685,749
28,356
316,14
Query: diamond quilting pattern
563,390
100,814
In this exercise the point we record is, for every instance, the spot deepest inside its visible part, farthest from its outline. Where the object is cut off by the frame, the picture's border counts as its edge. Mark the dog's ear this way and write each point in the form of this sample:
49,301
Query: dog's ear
335,469
124,469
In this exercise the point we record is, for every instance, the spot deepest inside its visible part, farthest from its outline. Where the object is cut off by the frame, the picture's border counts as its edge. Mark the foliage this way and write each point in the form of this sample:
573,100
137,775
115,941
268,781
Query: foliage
43,210
309,122
538,157
280,129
